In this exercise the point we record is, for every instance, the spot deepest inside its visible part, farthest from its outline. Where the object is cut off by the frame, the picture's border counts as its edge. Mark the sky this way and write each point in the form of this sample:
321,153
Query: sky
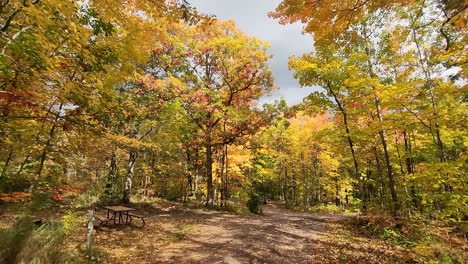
285,40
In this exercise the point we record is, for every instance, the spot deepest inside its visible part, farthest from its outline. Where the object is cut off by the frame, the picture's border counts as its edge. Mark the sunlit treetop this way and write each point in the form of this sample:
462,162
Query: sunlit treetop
327,19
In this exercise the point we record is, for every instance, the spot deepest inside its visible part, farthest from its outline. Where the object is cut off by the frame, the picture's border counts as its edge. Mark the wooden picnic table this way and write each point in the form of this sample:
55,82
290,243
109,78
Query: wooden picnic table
120,210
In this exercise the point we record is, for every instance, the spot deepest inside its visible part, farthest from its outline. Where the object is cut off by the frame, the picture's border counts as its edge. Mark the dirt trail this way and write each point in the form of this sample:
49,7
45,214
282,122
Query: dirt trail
177,234
278,236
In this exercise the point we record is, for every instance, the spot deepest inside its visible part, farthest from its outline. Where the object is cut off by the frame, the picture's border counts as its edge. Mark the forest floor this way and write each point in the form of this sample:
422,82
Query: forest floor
175,234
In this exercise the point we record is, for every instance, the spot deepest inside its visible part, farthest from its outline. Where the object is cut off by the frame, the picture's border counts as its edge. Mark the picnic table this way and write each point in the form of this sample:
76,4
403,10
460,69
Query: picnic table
120,210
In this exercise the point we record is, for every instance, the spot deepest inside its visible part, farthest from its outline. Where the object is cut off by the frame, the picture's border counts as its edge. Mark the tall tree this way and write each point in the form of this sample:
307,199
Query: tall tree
222,73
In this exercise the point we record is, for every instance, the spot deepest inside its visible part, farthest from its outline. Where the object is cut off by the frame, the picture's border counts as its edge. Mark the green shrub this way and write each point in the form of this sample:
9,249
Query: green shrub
325,208
41,200
69,222
86,199
255,204
237,207
393,235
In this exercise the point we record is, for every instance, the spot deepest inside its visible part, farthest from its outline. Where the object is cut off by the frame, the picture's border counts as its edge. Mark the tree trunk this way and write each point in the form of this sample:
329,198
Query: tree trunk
45,151
112,174
20,168
36,141
195,184
440,144
388,162
306,187
423,62
379,171
351,146
189,175
382,134
294,186
281,182
316,180
410,167
286,186
7,162
337,192
223,175
129,177
226,175
399,155
209,172
408,154
89,240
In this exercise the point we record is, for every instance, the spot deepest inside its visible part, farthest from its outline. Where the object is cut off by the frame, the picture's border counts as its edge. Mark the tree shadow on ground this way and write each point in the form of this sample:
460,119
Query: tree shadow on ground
276,237
183,235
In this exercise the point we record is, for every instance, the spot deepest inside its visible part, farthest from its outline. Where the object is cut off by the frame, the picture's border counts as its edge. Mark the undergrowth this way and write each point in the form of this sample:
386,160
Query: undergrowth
29,242
428,242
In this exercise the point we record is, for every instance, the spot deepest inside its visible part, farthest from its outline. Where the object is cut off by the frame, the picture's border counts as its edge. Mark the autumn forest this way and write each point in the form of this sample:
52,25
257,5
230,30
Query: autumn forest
156,105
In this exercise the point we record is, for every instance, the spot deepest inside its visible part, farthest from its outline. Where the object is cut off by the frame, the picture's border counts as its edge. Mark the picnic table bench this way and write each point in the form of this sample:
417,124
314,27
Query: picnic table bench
117,214
102,220
132,214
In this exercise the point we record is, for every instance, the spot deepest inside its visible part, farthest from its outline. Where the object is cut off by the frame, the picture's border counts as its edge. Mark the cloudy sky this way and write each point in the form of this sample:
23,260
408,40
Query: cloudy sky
286,40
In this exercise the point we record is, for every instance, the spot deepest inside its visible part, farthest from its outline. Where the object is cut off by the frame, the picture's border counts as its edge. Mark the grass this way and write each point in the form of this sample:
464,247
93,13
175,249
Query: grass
26,242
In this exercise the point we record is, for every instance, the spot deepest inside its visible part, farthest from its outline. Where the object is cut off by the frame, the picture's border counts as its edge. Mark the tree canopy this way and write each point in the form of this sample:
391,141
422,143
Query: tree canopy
152,98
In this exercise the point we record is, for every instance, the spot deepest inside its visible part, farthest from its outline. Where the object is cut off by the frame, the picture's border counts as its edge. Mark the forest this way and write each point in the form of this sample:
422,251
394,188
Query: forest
155,103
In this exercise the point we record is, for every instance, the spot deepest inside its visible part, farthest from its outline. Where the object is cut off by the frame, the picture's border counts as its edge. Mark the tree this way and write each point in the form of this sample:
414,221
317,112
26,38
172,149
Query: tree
329,18
60,62
392,60
221,74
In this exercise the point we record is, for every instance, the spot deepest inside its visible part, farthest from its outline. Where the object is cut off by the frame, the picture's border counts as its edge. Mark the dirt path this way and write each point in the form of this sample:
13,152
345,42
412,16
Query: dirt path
176,234
278,236
179,235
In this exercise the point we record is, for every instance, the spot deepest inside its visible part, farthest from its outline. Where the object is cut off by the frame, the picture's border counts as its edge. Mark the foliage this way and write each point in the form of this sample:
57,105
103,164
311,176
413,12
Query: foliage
15,197
41,200
328,208
255,204
237,206
104,102
393,88
69,222
29,243
218,72
426,242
